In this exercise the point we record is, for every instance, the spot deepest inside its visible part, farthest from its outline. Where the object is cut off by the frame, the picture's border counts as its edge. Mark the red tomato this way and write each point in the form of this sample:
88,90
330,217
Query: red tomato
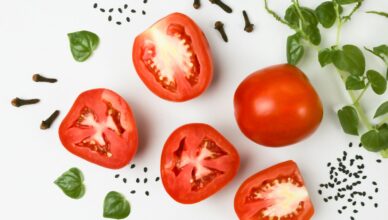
277,106
196,162
100,128
173,58
277,192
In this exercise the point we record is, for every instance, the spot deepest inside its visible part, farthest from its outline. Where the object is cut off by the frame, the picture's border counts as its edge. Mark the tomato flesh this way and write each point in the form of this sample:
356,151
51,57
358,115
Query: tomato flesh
277,106
196,162
173,59
100,128
275,193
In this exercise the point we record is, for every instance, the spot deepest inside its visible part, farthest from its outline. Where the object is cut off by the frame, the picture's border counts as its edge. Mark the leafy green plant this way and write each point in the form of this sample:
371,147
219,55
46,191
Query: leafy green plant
82,44
116,206
348,60
71,183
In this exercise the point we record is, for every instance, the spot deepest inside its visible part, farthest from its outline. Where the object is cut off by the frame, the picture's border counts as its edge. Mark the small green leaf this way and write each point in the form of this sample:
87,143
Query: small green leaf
325,57
295,49
380,51
381,13
354,83
82,44
379,84
350,59
381,110
346,2
309,16
116,206
371,141
313,34
383,133
293,18
384,153
349,120
71,183
326,14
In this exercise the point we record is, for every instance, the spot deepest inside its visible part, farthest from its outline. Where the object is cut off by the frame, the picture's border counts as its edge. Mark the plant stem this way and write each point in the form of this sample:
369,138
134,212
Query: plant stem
385,120
297,6
362,93
339,21
276,16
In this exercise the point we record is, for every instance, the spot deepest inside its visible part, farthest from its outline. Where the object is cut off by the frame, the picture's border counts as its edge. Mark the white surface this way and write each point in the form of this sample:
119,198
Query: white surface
33,39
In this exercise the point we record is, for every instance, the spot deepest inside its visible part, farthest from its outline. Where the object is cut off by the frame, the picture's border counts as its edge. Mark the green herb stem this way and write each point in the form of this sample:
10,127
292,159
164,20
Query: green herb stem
339,23
385,120
348,17
276,16
297,6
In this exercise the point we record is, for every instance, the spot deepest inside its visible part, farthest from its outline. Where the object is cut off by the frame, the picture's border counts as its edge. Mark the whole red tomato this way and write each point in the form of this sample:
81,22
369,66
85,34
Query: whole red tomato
277,106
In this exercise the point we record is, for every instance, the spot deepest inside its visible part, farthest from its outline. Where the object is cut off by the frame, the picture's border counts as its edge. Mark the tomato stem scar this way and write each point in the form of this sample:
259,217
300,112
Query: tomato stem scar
49,121
40,78
17,102
197,4
248,25
222,5
219,26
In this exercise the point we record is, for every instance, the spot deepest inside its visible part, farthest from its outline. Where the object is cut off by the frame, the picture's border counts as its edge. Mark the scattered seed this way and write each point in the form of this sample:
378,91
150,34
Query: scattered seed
360,145
133,166
102,10
376,205
95,5
370,197
147,193
111,10
339,211
145,169
350,144
125,180
120,10
328,164
133,10
362,203
117,175
351,218
143,12
157,179
133,191
128,19
320,192
46,124
145,1
355,211
374,183
109,18
118,22
125,6
145,180
344,207
378,161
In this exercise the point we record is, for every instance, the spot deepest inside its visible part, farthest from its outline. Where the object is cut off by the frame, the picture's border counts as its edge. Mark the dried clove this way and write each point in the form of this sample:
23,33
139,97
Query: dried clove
40,78
197,4
17,102
219,26
248,25
222,5
46,124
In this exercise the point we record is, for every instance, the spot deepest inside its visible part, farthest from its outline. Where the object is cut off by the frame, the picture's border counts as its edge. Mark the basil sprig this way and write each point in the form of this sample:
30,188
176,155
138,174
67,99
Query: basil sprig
82,44
71,183
116,206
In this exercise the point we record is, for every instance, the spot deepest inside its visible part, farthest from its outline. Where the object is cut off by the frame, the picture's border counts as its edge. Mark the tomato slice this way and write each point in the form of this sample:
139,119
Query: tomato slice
173,58
100,128
277,193
197,161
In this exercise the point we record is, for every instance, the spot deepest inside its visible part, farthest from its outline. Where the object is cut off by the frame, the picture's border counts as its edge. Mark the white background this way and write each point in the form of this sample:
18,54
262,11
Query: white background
33,38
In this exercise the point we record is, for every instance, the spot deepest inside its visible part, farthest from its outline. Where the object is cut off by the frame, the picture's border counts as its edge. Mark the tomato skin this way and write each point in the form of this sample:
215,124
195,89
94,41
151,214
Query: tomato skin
200,47
122,147
285,169
179,186
277,106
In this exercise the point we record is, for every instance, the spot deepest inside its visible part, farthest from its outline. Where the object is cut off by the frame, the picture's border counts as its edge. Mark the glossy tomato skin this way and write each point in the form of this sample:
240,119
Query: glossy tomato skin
277,106
250,210
177,44
100,128
218,161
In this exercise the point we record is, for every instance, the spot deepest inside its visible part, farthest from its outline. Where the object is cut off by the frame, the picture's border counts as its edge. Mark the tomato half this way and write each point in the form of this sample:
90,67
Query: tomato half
197,161
277,106
173,58
277,193
100,128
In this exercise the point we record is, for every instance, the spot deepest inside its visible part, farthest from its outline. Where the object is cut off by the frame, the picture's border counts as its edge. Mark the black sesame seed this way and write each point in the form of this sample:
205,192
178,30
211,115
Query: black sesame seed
325,200
344,180
362,204
351,218
320,192
331,177
147,193
376,205
110,18
374,183
330,197
157,179
328,164
143,12
111,10
102,10
336,198
339,159
350,144
370,197
145,1
128,19
117,175
137,180
125,6
360,145
339,211
344,207
145,169
133,166
376,190
354,203
118,22
335,180
133,10
125,180
364,177
145,180
321,185
339,183
350,200
95,5
133,191
120,10
355,211
378,161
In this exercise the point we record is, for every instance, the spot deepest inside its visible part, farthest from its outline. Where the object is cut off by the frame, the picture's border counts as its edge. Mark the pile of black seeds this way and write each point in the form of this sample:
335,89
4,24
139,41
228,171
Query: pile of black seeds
347,176
18,102
138,180
118,15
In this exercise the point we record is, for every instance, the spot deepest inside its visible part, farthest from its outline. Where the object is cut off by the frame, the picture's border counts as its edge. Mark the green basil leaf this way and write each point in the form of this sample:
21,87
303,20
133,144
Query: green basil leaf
313,34
346,2
379,84
326,14
380,51
82,44
384,153
383,134
381,110
309,16
71,183
354,83
325,57
349,120
350,59
116,206
371,141
295,49
293,18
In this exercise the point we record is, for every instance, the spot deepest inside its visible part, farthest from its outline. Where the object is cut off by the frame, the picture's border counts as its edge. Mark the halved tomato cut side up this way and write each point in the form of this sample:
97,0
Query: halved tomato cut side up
277,193
196,162
173,58
100,128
